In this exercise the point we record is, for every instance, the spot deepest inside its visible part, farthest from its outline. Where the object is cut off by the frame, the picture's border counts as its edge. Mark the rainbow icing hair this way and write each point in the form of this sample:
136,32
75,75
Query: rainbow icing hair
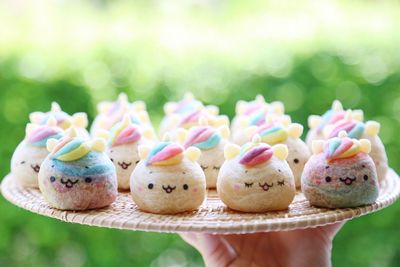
124,132
252,154
203,137
341,147
165,153
72,148
272,133
191,119
39,135
353,128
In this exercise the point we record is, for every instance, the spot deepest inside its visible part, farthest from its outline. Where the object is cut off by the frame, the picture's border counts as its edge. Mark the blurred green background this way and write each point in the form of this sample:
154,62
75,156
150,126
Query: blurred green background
305,54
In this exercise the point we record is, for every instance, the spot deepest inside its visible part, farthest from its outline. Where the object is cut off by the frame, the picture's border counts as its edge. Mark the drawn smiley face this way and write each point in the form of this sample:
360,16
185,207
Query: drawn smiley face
168,189
268,186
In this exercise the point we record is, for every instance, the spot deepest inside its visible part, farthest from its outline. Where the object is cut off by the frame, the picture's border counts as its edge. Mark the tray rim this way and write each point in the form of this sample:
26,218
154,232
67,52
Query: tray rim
91,217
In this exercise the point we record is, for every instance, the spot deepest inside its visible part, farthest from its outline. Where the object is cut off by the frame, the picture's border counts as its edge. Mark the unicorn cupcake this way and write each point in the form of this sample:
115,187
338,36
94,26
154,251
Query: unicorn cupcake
211,142
78,120
253,113
274,133
30,153
168,179
77,174
256,177
340,173
110,113
123,140
360,130
242,135
175,110
318,123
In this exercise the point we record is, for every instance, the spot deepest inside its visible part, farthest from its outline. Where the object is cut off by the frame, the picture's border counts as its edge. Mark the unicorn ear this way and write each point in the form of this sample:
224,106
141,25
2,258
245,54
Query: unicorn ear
212,110
314,121
295,130
365,146
348,115
51,143
181,135
123,97
36,117
286,120
337,106
280,151
143,151
143,117
231,151
240,107
221,120
224,132
139,106
260,98
277,107
99,145
102,134
71,132
51,121
250,131
55,107
148,133
193,153
188,96
103,107
317,146
358,115
30,127
372,128
80,120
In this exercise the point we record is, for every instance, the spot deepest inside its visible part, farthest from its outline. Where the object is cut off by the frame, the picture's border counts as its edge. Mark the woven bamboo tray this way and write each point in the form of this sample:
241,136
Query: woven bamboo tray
211,217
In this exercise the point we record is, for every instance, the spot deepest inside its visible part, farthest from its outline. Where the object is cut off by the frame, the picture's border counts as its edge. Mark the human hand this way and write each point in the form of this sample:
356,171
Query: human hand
305,247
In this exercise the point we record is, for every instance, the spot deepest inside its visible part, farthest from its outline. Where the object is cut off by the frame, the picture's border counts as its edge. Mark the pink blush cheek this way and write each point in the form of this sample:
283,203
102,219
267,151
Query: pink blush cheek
140,189
194,190
236,187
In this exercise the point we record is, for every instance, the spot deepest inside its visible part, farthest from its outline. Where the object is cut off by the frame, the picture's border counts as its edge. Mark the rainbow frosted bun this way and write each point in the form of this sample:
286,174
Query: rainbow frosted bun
124,133
203,137
164,154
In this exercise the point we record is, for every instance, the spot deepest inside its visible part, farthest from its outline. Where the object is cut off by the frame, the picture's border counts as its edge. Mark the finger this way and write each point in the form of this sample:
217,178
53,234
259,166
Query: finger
332,229
216,251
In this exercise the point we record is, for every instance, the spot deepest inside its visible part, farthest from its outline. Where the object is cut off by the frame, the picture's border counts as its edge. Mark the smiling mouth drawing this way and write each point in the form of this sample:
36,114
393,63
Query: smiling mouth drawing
124,165
35,168
265,186
69,183
347,180
168,189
